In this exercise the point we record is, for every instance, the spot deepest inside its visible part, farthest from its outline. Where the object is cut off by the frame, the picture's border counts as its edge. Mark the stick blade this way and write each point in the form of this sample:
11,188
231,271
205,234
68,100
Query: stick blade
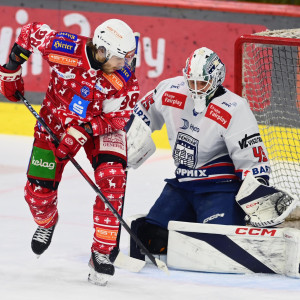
128,263
162,266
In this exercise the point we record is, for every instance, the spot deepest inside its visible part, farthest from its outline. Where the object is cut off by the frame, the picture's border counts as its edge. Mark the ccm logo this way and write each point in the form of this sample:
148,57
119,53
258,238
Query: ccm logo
252,204
255,231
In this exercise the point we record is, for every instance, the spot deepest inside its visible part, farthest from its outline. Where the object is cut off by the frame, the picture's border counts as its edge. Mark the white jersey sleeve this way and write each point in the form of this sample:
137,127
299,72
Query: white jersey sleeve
149,109
243,140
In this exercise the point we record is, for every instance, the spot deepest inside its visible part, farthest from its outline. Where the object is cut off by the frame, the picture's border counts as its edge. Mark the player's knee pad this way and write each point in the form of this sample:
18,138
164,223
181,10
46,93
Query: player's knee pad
42,203
153,237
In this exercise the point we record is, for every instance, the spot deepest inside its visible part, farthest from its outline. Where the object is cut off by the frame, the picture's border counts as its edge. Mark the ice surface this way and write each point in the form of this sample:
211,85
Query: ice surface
61,272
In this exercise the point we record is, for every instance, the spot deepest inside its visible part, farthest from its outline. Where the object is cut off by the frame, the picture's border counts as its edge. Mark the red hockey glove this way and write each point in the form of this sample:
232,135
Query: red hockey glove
72,140
10,82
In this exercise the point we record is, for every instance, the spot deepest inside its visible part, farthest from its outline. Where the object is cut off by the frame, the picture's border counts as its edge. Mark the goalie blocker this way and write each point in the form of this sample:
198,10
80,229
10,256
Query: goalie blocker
229,249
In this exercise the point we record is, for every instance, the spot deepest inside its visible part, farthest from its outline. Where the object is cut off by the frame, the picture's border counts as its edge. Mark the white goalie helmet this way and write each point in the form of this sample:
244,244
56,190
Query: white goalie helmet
203,66
116,37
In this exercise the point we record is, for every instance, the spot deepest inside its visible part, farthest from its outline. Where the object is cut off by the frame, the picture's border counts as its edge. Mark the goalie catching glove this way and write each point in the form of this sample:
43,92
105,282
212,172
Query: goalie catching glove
140,145
265,206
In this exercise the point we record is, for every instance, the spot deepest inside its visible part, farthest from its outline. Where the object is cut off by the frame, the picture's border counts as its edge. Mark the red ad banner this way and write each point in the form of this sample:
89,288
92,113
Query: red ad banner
165,43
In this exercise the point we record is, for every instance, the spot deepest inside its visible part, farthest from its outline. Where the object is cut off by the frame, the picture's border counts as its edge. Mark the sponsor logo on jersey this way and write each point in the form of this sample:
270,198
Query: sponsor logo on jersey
250,140
255,231
177,86
42,163
187,125
65,75
68,35
125,73
229,104
85,91
87,83
79,106
100,88
63,60
114,80
63,46
174,99
261,170
191,173
218,114
141,114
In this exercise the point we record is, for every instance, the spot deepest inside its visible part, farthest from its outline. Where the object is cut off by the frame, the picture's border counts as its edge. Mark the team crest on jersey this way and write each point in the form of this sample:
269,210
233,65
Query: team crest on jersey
218,114
67,35
185,150
79,106
85,91
63,46
174,99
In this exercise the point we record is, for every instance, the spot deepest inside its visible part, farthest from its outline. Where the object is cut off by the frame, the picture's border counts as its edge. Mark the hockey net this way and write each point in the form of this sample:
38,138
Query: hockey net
267,74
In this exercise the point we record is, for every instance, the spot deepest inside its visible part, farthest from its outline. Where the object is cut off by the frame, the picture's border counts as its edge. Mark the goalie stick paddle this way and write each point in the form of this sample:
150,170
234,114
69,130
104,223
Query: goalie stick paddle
161,265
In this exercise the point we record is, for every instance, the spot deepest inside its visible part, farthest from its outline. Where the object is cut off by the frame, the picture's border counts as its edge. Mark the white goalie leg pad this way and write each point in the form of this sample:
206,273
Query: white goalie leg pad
265,205
140,145
233,249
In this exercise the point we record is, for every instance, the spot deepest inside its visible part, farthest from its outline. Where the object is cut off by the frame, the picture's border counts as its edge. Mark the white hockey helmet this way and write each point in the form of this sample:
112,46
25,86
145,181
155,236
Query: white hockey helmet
116,37
203,65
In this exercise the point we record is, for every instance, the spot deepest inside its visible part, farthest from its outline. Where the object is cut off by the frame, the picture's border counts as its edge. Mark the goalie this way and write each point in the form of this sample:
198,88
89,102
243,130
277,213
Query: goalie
222,167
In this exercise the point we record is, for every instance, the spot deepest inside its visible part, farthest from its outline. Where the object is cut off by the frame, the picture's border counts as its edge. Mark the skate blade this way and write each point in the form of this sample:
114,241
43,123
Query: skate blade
98,278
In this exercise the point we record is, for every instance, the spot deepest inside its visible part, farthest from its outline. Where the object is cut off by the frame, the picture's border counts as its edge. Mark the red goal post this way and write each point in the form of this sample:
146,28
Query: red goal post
267,74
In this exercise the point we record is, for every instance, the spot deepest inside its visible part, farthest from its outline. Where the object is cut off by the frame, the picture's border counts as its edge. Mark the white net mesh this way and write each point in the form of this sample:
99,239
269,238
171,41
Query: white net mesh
271,84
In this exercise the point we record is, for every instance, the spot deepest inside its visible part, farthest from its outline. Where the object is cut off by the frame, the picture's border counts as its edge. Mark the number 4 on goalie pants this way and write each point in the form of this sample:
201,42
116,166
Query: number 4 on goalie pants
233,249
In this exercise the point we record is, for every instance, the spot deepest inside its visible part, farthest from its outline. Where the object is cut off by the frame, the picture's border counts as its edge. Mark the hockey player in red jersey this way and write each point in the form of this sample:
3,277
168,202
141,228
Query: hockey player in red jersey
89,99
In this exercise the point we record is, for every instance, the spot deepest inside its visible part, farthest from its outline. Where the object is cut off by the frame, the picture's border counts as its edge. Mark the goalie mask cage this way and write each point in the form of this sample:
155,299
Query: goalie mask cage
267,74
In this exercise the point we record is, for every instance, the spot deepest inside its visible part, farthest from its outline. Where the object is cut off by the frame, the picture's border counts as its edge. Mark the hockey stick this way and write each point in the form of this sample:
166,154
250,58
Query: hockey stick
161,265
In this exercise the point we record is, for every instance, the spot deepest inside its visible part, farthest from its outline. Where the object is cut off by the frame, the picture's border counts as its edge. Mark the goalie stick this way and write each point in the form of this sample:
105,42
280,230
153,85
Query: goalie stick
159,264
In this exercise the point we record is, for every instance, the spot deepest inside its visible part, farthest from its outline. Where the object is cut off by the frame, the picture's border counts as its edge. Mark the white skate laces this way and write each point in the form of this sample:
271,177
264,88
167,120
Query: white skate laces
41,239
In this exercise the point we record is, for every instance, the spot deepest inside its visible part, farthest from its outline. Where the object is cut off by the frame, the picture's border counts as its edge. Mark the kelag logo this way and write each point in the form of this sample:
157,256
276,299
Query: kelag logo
42,163
63,46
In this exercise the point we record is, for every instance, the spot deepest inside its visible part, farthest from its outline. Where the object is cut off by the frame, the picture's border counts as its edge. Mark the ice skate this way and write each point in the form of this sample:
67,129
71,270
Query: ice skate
42,239
101,269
